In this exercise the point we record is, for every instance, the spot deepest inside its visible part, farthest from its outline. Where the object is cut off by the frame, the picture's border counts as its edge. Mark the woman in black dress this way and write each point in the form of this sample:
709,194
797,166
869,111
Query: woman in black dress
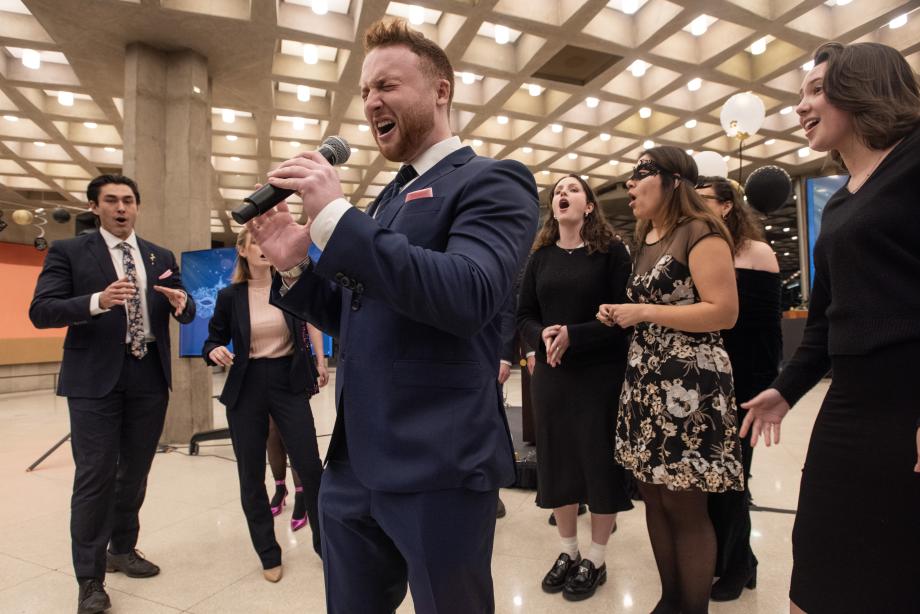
861,102
677,429
578,264
755,346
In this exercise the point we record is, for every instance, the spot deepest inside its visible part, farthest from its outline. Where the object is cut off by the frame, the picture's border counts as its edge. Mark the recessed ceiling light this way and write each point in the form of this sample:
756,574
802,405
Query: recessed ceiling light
804,152
557,128
785,253
295,143
895,23
39,143
690,123
65,99
689,152
310,54
786,229
91,125
31,59
592,102
630,6
544,172
694,84
528,150
468,78
534,90
196,89
638,68
416,15
231,137
110,149
759,46
228,115
648,144
605,136
699,25
613,162
768,227
573,156
769,142
795,237
298,123
11,118
363,127
808,65
786,110
726,157
477,143
645,112
235,158
502,119
502,35
320,7
584,177
303,93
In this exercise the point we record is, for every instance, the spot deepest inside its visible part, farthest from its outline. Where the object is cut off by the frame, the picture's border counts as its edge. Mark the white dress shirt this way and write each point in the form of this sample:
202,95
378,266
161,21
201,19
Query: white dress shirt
327,219
113,243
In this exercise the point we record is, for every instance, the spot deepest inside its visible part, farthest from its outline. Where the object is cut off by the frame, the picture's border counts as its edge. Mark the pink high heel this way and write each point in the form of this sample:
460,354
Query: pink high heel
299,516
280,498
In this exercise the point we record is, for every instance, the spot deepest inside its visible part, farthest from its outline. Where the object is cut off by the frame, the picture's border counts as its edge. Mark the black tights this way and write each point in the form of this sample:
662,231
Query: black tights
277,454
684,544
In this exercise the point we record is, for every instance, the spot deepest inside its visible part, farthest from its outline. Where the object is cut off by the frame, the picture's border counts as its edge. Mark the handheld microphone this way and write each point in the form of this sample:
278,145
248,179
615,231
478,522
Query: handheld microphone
336,151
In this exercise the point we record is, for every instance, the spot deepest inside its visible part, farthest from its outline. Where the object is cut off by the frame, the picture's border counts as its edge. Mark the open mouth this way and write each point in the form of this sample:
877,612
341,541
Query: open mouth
808,124
563,205
121,219
385,126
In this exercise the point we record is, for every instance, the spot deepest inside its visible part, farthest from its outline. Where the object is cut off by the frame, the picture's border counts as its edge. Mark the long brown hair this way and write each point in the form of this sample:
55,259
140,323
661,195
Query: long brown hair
596,232
681,202
241,270
740,219
875,84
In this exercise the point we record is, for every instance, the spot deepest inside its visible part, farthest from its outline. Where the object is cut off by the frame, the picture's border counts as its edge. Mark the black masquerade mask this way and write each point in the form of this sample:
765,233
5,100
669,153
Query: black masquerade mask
647,168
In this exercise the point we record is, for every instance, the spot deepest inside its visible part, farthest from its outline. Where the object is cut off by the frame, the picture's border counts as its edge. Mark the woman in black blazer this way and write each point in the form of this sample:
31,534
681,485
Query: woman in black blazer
271,375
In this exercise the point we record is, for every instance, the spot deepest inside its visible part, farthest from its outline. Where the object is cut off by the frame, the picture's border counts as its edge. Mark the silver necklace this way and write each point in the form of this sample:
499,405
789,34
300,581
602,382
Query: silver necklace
570,251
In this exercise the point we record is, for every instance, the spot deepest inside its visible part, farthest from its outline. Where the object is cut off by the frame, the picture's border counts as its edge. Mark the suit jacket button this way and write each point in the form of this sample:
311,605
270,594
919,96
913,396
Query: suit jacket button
359,287
355,304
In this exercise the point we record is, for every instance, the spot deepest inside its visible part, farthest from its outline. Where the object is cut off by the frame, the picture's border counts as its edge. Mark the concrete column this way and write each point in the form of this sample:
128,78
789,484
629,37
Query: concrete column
167,150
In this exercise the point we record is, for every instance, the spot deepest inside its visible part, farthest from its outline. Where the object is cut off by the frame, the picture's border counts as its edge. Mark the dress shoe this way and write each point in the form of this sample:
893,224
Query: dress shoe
299,515
555,579
500,510
582,509
92,598
584,581
272,575
279,499
730,586
132,564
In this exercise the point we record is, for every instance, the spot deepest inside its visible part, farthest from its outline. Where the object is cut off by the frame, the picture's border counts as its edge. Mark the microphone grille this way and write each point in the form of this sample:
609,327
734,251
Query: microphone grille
339,149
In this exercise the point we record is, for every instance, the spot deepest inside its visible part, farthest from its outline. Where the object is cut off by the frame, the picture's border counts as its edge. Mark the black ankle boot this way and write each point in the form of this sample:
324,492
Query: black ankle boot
730,586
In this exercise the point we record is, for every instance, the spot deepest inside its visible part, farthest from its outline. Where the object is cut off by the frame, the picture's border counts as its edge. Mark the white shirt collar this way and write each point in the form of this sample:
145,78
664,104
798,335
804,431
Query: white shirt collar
112,241
434,154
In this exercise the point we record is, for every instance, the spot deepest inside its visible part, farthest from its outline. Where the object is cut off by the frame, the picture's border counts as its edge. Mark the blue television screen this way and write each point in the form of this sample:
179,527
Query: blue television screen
204,273
819,190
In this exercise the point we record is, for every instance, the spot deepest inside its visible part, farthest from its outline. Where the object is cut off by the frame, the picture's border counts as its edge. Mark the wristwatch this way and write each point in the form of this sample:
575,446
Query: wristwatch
297,270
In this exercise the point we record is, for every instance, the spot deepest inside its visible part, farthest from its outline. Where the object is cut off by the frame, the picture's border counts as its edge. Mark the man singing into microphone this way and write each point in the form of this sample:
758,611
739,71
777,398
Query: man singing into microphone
420,446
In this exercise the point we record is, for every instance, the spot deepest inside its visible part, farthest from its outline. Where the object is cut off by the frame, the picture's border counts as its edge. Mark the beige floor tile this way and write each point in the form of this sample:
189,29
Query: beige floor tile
13,571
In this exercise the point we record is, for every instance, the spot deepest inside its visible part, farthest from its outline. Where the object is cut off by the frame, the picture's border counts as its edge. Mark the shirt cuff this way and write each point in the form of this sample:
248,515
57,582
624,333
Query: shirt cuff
94,308
326,221
505,362
530,353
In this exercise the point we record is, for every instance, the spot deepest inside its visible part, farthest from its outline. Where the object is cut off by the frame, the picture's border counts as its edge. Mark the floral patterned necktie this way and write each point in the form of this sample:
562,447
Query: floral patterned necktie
135,317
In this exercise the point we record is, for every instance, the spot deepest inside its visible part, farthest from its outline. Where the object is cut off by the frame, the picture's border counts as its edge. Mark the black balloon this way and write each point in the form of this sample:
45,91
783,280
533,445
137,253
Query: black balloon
61,216
768,188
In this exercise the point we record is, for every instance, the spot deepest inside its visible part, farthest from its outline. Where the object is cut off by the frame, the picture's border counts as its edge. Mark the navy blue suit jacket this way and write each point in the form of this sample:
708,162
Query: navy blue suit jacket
230,322
416,304
94,347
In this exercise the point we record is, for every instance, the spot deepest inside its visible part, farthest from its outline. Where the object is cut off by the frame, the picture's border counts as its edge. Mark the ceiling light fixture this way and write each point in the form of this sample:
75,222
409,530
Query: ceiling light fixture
528,150
648,144
699,25
320,7
110,149
468,78
630,6
573,156
228,115
11,118
808,65
645,112
534,90
31,59
759,46
694,84
91,125
231,137
894,24
363,127
502,119
298,123
804,152
310,54
638,68
416,15
592,102
502,35
65,99
605,137
557,128
690,123
786,110
303,93
769,141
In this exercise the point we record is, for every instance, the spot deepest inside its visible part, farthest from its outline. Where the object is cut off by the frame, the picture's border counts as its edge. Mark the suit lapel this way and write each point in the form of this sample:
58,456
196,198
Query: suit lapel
241,307
101,252
446,166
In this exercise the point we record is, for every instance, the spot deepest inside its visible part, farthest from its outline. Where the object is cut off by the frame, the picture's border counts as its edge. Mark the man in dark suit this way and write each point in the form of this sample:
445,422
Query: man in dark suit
421,444
115,293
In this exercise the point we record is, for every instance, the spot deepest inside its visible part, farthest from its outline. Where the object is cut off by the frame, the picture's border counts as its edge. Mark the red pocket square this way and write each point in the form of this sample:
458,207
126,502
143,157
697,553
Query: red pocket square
426,193
166,273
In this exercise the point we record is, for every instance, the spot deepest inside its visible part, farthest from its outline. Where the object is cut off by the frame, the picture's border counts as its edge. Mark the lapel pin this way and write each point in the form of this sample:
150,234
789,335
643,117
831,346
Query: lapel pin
153,259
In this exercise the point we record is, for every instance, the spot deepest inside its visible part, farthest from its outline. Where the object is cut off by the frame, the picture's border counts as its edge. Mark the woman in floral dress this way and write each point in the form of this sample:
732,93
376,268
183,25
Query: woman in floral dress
677,429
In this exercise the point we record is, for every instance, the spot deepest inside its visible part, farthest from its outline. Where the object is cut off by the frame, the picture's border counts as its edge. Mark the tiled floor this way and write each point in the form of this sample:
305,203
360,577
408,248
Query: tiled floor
193,527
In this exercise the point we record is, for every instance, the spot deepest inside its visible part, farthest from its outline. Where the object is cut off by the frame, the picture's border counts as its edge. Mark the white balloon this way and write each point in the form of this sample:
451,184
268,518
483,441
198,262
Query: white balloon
742,114
711,164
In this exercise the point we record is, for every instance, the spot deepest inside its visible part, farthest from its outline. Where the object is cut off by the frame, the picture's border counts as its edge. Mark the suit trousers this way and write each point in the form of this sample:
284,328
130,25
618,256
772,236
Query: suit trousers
266,392
113,440
374,542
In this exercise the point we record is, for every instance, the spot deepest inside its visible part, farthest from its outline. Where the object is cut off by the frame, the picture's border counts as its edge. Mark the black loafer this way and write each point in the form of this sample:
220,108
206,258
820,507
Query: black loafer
556,578
730,587
132,564
584,581
500,510
92,598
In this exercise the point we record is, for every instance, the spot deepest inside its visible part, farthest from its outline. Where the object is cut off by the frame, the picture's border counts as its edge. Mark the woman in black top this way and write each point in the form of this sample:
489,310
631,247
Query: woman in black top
754,346
578,264
861,102
271,374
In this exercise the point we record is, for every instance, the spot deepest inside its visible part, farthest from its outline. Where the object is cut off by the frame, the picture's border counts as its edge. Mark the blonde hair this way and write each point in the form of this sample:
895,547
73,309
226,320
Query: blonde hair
241,270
